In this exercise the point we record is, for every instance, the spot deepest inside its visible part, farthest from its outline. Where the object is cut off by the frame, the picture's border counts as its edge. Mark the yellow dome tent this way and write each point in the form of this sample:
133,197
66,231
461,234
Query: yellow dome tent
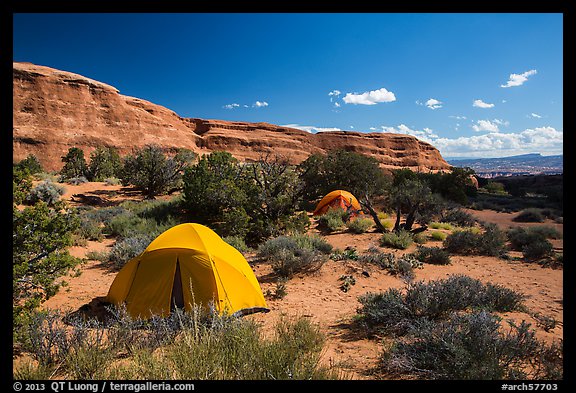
187,264
338,199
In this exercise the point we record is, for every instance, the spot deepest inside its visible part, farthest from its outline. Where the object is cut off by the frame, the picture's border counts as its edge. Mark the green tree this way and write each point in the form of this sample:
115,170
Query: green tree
74,164
214,193
273,192
455,185
340,169
253,200
41,236
21,184
412,196
31,163
151,171
105,162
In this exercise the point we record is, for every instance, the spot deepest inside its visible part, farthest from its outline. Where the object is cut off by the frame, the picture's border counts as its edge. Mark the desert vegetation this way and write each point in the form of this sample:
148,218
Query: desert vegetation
261,209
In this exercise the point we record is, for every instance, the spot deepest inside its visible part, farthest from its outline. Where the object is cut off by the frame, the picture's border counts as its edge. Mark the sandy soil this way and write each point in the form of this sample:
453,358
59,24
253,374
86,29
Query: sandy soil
318,296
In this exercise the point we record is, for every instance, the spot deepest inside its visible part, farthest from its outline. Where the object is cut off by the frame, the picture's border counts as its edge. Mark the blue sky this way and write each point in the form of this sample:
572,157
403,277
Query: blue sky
472,85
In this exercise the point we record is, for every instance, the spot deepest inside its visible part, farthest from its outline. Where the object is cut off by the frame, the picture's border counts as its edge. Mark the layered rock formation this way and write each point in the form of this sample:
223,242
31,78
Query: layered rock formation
54,110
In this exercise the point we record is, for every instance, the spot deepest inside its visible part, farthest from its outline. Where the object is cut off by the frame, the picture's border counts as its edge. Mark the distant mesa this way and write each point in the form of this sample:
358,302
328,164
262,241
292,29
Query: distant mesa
54,110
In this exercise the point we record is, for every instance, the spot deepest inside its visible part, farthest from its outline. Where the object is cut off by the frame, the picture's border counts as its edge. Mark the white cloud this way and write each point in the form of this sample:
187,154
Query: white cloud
433,103
485,125
545,140
426,134
260,104
334,93
458,117
312,129
535,115
373,128
337,105
482,104
231,106
370,97
519,79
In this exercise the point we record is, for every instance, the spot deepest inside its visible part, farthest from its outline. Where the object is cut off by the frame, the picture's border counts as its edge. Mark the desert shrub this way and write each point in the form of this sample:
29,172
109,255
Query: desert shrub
401,239
112,181
359,225
546,231
45,191
532,242
333,220
529,215
89,229
442,225
127,248
279,289
537,250
459,218
432,255
495,188
209,346
521,237
297,223
77,180
419,238
472,347
437,235
490,242
349,253
403,266
294,254
395,312
237,242
347,281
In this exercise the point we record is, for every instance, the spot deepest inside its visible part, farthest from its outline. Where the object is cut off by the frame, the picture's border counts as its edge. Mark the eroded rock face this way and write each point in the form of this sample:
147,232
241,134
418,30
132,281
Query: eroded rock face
54,110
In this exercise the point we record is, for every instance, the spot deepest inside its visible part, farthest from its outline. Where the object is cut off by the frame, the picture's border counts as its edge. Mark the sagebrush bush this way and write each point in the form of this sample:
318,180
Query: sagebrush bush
237,242
459,218
209,346
77,180
333,220
395,312
438,236
359,225
296,253
45,191
532,242
432,255
401,239
403,266
473,347
127,248
529,215
491,242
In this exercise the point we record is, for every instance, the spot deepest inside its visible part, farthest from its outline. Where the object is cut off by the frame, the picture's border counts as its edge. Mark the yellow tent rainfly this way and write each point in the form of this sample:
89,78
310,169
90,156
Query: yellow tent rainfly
187,264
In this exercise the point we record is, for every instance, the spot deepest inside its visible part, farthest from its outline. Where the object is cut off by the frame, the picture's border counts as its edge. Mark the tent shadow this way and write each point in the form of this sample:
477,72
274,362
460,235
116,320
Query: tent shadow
97,309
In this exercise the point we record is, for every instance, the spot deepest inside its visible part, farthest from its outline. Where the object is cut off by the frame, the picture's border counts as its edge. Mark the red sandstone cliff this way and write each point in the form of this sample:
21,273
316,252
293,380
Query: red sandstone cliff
54,110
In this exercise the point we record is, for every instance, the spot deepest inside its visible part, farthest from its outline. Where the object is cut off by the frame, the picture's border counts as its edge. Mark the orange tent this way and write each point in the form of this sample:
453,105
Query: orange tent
338,199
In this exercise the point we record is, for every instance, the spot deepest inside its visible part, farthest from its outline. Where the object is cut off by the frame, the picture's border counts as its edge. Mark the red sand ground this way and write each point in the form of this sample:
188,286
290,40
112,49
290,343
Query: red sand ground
318,296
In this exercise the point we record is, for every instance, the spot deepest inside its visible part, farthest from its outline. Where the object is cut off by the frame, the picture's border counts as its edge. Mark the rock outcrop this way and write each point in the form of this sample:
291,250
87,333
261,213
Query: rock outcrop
54,110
